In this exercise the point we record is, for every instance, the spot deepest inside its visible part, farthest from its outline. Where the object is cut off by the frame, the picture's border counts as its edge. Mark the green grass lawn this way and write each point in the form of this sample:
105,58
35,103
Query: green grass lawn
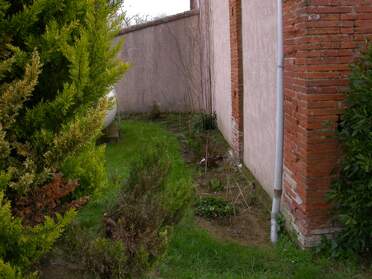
193,252
136,136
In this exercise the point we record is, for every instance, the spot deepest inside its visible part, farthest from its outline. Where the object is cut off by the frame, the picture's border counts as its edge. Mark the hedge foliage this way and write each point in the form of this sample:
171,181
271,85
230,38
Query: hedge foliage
352,192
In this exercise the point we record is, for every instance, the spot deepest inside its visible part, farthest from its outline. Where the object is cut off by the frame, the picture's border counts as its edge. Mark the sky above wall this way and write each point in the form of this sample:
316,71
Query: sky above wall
156,8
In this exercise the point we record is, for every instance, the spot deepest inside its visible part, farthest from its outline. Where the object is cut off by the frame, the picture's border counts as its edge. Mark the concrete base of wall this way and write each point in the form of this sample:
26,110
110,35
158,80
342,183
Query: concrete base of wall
312,238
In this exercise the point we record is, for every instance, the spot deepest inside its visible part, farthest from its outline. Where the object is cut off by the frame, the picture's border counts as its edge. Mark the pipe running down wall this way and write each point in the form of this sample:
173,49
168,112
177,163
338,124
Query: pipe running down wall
279,125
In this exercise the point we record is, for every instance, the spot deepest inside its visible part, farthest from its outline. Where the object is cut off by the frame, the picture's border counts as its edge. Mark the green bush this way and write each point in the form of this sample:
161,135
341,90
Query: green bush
352,192
137,227
204,122
107,259
158,171
58,107
214,207
98,257
89,168
57,62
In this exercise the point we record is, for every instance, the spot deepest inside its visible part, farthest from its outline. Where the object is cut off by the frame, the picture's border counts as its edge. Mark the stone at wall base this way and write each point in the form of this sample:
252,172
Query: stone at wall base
314,237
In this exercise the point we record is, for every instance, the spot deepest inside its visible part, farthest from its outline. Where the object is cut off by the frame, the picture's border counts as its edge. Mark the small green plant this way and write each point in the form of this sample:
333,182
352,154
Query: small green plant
204,122
199,137
352,191
281,223
216,185
155,111
214,207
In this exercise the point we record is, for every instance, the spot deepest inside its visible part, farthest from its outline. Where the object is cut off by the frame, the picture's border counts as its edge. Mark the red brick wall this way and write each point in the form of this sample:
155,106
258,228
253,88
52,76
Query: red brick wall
322,37
237,89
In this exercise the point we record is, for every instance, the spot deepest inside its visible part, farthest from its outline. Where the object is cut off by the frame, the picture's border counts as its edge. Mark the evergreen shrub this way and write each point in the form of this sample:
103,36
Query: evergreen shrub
136,230
57,62
352,191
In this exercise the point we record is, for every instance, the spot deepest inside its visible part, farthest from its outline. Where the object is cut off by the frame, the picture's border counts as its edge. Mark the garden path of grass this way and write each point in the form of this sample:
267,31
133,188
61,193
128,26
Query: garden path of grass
195,254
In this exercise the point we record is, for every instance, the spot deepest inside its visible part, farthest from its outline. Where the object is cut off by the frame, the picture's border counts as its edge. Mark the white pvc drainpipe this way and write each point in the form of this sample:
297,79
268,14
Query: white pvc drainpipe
279,125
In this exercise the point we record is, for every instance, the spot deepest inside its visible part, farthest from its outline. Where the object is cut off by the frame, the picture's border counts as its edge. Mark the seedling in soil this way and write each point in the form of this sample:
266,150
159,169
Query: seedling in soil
216,185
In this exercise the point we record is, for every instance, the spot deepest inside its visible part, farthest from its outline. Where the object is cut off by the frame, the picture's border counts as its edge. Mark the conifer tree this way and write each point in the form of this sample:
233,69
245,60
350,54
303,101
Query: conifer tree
57,62
64,111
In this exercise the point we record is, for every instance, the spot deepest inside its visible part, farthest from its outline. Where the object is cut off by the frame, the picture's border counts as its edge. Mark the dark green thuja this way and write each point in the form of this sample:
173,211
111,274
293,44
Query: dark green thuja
352,192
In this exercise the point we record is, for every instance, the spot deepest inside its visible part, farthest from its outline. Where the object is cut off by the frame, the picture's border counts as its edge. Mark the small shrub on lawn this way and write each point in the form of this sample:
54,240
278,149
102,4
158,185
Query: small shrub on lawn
136,229
204,139
147,209
198,135
214,207
204,122
106,258
352,192
99,257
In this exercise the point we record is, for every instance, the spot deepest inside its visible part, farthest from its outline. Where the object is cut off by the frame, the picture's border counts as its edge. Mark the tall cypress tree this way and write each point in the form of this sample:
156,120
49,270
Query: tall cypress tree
57,62
63,114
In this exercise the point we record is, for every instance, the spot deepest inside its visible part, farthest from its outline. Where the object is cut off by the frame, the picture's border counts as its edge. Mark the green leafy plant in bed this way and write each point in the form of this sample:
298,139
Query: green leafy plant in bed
214,207
216,185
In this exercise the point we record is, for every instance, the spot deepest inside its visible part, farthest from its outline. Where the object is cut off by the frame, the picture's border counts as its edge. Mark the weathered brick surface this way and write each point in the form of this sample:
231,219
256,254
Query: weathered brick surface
237,84
322,37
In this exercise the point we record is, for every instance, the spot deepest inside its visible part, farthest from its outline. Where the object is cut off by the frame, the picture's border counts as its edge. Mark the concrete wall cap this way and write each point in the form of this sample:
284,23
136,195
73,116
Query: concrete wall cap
159,21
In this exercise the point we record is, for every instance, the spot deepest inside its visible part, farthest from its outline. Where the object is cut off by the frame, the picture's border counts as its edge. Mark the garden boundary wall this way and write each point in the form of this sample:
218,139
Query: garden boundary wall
321,39
165,66
221,57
